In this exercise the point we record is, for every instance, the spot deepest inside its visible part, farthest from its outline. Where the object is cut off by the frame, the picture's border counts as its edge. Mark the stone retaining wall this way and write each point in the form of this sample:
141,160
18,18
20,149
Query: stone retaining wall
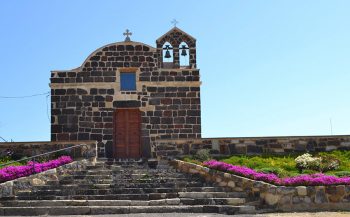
278,198
251,145
27,149
10,188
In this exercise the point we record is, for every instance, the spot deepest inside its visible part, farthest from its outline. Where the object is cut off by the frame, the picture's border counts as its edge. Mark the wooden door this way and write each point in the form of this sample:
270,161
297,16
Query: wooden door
127,128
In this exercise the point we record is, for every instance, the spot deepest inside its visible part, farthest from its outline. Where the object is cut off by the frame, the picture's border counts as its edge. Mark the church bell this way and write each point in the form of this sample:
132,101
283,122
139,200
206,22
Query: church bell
183,50
167,52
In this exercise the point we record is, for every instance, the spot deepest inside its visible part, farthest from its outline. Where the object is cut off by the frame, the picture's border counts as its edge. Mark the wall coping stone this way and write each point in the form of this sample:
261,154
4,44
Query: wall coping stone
257,137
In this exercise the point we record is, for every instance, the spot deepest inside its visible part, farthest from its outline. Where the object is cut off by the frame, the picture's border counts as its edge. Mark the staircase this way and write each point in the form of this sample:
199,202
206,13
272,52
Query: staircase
110,188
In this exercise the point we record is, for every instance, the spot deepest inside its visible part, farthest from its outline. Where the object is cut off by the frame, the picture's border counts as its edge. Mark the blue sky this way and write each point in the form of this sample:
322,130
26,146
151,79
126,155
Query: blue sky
269,68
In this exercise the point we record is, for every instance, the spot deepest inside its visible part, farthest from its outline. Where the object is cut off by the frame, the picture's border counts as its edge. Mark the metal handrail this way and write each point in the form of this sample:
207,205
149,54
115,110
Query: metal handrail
39,155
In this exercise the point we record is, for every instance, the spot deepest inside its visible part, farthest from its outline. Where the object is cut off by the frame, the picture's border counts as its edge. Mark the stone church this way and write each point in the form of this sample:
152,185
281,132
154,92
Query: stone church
127,95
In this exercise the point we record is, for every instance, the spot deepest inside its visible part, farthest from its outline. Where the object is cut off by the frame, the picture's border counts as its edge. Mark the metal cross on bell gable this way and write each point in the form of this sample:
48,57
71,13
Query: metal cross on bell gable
127,33
174,22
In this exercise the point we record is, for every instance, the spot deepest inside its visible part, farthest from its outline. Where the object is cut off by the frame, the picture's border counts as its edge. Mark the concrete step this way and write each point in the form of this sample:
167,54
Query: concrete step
95,210
173,201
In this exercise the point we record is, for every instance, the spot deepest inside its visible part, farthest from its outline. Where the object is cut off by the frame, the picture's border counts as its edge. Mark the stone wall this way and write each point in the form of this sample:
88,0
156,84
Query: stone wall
277,198
28,149
251,145
84,100
10,188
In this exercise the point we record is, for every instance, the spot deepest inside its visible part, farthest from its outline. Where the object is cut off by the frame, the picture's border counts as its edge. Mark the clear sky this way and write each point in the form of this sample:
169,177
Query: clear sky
269,68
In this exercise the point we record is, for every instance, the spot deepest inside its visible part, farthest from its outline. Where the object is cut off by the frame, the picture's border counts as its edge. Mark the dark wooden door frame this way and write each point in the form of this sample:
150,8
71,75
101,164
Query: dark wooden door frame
114,131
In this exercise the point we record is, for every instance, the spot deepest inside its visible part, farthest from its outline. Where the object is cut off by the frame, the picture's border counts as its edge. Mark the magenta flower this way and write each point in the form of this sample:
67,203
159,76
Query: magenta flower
14,172
314,179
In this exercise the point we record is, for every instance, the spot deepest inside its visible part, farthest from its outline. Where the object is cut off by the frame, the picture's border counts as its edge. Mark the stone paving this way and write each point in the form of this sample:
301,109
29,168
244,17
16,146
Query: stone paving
317,214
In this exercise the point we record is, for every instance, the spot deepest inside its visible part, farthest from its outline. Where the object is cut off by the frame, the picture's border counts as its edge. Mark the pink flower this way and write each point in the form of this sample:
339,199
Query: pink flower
314,179
13,172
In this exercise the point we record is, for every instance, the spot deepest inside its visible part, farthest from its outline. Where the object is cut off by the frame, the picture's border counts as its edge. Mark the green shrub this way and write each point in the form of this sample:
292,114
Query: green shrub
329,163
308,162
191,160
275,170
309,172
8,159
342,173
321,163
202,155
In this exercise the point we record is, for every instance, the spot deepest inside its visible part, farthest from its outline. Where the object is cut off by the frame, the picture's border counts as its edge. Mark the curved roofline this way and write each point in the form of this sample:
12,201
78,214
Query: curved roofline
100,49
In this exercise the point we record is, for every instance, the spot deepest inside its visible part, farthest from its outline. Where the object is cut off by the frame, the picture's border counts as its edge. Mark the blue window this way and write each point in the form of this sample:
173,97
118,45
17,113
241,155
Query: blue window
127,81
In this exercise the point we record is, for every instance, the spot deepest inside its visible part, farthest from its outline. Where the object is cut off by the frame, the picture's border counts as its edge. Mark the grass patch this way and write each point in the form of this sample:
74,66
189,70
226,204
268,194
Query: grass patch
5,160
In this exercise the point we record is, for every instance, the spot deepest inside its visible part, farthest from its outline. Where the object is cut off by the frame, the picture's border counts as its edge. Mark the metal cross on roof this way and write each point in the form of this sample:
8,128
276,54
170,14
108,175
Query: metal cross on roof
174,22
127,33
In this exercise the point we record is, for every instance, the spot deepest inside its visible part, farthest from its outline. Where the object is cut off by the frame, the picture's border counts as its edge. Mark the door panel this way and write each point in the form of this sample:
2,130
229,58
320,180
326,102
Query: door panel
127,128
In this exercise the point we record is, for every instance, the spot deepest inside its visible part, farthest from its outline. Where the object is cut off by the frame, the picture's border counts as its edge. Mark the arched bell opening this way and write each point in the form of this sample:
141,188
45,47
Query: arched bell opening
184,55
168,55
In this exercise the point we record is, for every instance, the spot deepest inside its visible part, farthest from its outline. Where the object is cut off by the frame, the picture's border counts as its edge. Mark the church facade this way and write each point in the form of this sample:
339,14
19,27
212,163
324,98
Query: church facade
127,95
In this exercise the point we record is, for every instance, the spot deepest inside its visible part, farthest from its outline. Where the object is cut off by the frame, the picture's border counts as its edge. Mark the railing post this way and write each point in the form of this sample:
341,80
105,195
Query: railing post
33,165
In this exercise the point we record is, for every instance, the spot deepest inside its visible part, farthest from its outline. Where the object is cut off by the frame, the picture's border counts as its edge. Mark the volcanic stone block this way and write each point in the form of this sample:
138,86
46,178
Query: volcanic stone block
254,149
127,104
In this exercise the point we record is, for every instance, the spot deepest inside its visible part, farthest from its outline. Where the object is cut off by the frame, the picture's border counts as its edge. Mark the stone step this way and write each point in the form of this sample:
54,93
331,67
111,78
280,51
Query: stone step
179,184
212,194
94,172
174,201
109,184
53,195
95,210
87,191
105,188
151,180
70,186
125,178
127,171
120,182
77,177
118,166
141,178
82,181
168,170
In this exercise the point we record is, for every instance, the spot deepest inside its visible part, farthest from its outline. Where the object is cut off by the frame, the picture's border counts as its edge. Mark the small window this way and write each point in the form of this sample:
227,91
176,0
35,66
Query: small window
127,81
